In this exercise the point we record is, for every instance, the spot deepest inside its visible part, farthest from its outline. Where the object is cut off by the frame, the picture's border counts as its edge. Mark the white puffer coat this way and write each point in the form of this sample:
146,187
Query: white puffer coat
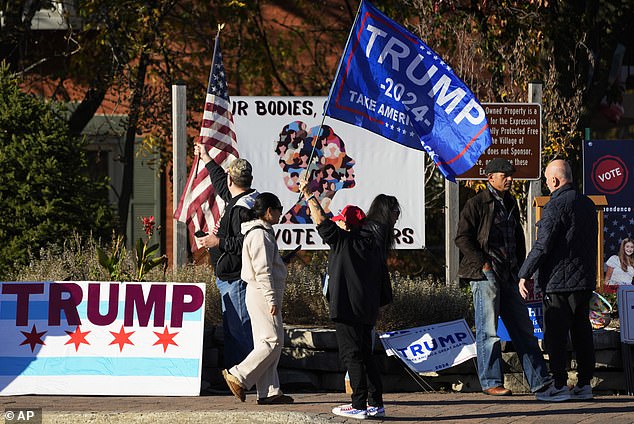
261,261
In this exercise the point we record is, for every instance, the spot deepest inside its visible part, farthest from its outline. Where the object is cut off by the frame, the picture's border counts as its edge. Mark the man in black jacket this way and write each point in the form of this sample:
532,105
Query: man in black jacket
225,247
565,254
491,241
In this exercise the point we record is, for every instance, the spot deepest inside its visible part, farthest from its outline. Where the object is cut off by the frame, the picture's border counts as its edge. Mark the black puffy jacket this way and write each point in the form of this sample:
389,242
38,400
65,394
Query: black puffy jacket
359,281
565,252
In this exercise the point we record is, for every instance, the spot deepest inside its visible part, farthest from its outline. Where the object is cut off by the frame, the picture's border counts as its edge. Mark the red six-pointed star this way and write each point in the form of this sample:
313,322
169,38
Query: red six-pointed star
77,337
165,338
121,338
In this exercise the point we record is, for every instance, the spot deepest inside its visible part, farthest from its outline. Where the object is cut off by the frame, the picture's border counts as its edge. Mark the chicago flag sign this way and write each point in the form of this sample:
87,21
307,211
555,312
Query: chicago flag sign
101,338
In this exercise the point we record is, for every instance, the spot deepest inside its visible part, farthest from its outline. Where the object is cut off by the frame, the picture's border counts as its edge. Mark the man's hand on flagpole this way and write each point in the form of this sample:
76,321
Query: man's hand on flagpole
316,212
304,191
201,151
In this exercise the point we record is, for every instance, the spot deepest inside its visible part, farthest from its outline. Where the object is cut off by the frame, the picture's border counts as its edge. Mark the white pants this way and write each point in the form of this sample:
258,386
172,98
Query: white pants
260,366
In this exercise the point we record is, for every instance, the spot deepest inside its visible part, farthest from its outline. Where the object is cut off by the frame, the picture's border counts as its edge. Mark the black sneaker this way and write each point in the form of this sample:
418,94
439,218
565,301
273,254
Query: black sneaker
276,400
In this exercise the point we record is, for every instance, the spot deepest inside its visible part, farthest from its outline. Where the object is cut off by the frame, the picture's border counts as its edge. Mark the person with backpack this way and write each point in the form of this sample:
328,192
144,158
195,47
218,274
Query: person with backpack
225,247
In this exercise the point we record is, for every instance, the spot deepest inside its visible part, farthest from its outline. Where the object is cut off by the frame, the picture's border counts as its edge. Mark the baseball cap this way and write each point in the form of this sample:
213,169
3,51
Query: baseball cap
241,172
499,165
351,215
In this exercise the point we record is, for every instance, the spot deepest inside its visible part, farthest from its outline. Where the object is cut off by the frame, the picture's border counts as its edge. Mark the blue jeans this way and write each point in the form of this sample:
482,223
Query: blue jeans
236,324
490,300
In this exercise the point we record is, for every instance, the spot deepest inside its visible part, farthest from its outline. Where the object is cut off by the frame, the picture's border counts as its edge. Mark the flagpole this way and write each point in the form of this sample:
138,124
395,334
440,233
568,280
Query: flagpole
323,119
213,58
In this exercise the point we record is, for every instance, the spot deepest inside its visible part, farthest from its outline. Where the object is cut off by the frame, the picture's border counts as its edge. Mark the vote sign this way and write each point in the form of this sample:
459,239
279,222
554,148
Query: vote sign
609,174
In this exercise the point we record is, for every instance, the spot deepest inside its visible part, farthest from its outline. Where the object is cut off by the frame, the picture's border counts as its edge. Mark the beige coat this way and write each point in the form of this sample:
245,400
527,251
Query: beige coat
262,264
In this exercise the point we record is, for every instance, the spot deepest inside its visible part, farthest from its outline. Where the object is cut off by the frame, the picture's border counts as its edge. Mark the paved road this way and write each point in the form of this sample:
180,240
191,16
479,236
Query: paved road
315,408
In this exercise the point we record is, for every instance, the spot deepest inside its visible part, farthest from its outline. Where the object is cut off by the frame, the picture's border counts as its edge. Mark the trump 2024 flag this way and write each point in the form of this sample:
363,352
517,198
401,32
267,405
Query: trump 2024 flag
392,84
101,338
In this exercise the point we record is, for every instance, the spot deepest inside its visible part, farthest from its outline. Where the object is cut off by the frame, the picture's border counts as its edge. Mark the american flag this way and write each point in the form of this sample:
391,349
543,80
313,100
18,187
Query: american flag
199,206
616,227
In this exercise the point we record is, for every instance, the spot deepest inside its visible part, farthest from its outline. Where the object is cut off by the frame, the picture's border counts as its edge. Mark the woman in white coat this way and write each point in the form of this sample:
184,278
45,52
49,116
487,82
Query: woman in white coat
265,274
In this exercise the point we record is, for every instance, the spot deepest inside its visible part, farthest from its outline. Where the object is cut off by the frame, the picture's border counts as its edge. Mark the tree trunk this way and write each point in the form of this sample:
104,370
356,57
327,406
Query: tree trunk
130,136
87,109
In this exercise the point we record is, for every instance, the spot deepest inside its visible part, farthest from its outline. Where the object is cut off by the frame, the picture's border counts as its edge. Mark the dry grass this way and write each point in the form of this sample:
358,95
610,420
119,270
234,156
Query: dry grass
304,303
422,301
417,301
74,260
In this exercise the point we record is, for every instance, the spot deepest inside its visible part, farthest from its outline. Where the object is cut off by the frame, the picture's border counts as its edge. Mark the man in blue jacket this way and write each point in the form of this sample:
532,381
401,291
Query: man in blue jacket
565,254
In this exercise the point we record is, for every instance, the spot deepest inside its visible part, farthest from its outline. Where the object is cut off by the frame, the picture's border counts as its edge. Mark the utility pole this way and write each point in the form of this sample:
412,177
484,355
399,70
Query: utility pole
535,186
179,169
452,256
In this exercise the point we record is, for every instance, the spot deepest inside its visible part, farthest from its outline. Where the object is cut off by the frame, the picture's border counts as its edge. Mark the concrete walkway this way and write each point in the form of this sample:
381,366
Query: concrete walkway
316,407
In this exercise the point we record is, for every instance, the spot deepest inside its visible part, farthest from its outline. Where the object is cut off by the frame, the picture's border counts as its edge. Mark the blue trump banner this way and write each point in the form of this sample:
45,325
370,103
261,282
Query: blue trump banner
391,83
433,347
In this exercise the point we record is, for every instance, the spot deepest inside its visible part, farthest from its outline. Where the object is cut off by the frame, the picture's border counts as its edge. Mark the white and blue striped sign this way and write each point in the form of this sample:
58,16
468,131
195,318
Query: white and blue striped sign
433,347
101,338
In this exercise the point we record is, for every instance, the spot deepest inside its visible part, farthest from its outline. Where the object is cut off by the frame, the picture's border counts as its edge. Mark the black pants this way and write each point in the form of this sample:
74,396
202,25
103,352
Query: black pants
564,313
355,351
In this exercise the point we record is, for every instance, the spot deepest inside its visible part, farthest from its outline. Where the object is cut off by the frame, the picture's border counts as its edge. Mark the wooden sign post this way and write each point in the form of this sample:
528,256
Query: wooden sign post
599,202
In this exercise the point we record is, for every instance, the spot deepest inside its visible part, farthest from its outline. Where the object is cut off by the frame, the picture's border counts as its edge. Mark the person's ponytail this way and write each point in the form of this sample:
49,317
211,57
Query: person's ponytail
262,203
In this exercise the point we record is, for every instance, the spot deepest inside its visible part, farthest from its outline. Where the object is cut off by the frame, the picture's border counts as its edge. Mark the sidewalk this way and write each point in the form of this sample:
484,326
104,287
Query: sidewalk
316,407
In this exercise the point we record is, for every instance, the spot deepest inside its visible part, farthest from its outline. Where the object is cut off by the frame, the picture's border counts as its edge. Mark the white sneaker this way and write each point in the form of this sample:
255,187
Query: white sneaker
581,393
376,411
349,411
553,394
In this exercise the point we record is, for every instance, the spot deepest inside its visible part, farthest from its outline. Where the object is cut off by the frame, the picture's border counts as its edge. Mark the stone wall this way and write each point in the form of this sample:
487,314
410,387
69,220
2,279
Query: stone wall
310,362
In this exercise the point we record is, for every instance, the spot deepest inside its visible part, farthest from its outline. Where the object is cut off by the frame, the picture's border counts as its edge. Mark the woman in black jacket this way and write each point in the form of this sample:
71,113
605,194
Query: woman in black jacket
358,285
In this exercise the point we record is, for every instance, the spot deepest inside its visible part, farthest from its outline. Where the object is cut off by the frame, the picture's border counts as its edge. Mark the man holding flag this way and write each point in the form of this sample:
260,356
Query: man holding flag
225,248
392,84
213,195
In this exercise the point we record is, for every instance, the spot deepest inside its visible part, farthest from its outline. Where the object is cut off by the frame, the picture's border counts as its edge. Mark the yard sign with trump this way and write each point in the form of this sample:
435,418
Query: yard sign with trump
101,338
391,83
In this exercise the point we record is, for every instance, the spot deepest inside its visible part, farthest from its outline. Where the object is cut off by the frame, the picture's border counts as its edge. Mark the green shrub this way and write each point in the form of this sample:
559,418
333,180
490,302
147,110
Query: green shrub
45,192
